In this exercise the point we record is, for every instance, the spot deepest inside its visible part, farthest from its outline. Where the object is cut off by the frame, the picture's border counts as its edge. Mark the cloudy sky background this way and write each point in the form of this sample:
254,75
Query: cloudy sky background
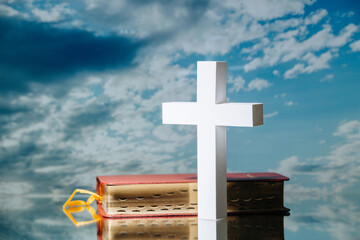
82,82
82,85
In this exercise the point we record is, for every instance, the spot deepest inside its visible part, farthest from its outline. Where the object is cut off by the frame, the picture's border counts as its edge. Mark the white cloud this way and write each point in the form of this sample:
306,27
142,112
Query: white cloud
316,17
258,84
50,222
281,25
201,28
293,72
289,34
54,14
314,63
14,188
268,9
270,115
339,169
287,165
51,169
327,78
287,48
295,193
238,84
127,138
290,103
350,130
276,73
343,37
355,46
165,133
79,93
177,26
334,216
252,65
113,6
210,37
280,95
341,218
256,47
14,203
8,11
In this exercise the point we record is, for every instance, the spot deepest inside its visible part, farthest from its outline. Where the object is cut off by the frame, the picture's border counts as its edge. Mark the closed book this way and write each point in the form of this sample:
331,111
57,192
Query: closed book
245,227
176,194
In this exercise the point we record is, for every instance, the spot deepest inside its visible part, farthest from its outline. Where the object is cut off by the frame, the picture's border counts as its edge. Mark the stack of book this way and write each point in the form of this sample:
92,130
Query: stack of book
165,206
176,194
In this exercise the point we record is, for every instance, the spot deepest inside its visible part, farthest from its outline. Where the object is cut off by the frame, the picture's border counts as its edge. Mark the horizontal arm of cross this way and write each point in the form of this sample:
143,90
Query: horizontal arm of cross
180,113
224,114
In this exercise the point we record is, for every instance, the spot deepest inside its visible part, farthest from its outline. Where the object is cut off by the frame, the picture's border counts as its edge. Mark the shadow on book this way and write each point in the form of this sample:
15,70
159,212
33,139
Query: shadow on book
244,227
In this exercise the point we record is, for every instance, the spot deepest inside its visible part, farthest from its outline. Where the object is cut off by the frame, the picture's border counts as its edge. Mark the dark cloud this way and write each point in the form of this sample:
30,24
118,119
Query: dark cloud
18,160
307,219
132,166
6,110
38,52
123,15
7,113
16,154
308,168
125,11
95,115
41,218
17,114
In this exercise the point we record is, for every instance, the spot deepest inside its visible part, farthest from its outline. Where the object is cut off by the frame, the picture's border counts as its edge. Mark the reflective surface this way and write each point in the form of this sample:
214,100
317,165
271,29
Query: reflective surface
251,226
323,217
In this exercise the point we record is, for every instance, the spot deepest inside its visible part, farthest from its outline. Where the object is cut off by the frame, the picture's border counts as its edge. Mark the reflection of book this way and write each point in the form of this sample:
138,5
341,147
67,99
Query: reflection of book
176,194
148,228
254,226
244,227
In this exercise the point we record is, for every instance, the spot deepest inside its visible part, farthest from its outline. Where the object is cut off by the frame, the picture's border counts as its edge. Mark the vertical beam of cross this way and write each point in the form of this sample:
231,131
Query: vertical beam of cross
212,114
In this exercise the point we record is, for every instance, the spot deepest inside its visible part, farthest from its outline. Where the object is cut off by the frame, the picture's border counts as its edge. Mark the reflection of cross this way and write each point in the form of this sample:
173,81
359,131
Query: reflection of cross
212,114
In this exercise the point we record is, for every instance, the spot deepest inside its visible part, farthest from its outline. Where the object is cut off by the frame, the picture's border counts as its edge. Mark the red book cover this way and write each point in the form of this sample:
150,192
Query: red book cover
180,178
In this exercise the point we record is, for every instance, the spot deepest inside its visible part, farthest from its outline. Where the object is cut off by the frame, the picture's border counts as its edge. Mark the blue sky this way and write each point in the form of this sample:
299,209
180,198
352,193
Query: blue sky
82,86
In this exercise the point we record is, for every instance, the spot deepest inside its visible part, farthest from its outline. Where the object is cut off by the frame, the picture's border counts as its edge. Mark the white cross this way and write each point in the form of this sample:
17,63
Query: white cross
212,114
